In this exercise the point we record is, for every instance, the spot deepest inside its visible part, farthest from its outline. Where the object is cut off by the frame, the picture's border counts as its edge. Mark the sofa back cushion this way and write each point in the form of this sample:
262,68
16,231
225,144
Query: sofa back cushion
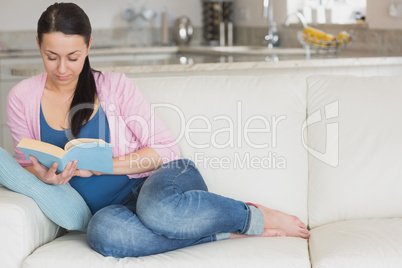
243,133
355,161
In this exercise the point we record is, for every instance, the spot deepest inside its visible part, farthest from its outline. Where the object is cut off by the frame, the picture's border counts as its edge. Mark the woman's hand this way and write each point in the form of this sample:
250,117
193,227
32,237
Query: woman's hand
49,176
87,173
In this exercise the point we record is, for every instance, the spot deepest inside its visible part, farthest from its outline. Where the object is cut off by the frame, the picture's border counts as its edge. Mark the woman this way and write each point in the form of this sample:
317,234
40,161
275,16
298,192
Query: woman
154,201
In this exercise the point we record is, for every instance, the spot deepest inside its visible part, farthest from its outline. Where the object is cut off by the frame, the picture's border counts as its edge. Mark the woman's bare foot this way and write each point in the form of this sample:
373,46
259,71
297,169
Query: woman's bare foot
270,232
267,233
276,220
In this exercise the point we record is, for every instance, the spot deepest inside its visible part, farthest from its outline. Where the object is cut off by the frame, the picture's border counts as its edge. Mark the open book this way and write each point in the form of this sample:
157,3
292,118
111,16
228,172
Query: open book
92,154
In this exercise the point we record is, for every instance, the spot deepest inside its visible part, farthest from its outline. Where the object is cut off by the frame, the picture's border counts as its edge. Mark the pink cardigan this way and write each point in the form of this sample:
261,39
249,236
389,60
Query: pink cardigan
129,115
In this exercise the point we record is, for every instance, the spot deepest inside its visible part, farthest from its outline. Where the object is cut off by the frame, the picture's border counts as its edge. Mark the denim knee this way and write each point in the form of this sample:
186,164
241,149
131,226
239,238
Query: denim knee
99,232
115,231
162,200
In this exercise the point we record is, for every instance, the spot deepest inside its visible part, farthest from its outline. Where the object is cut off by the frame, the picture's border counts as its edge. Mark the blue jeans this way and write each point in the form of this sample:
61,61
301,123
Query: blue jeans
172,209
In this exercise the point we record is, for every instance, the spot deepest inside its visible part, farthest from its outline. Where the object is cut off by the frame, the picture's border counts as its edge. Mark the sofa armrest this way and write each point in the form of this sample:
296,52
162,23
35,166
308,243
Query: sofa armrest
23,228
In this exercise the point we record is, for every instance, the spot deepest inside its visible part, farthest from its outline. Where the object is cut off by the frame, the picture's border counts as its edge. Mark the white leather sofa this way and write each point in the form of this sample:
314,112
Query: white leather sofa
324,148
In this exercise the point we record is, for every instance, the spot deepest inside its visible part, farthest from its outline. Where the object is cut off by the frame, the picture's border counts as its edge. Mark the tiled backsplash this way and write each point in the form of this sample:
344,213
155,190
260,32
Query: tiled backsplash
378,41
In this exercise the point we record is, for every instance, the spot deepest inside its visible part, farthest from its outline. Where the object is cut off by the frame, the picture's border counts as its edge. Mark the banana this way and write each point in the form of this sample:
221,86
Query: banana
315,36
343,37
318,37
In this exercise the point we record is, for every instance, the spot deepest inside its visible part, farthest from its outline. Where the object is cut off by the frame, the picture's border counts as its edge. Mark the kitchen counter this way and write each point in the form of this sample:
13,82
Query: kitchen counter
212,60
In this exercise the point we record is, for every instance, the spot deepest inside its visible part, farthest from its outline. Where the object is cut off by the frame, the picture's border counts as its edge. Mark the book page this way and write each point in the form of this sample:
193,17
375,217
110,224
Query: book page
41,147
97,156
79,141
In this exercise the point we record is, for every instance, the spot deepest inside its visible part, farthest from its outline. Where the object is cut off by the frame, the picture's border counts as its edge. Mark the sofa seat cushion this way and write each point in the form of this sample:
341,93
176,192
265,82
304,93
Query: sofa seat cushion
357,243
72,250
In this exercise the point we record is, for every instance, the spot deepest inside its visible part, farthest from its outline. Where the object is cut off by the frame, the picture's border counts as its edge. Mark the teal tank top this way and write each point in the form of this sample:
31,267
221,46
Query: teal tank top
97,191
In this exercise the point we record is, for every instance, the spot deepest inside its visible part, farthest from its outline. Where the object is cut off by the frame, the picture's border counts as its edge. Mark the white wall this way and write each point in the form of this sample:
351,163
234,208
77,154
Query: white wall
250,12
18,15
377,15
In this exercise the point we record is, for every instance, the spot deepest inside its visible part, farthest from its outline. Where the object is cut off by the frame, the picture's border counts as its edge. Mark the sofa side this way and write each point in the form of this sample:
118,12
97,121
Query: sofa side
23,228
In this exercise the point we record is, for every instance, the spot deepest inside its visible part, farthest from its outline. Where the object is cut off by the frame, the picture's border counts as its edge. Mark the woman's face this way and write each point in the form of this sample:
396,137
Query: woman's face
63,58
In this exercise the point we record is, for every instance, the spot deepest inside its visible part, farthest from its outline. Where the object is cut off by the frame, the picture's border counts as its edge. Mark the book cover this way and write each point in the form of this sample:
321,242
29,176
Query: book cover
92,154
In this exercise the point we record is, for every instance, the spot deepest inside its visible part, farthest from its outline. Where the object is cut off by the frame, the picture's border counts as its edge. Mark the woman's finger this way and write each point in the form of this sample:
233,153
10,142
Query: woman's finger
53,168
33,159
50,175
35,163
68,172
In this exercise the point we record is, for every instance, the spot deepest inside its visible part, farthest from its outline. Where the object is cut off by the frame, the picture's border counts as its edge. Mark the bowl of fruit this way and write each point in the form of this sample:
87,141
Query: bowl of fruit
319,40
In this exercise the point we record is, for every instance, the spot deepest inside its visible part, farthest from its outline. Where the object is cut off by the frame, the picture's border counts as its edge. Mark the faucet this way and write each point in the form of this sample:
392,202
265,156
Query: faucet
303,21
268,12
131,15
138,26
300,16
